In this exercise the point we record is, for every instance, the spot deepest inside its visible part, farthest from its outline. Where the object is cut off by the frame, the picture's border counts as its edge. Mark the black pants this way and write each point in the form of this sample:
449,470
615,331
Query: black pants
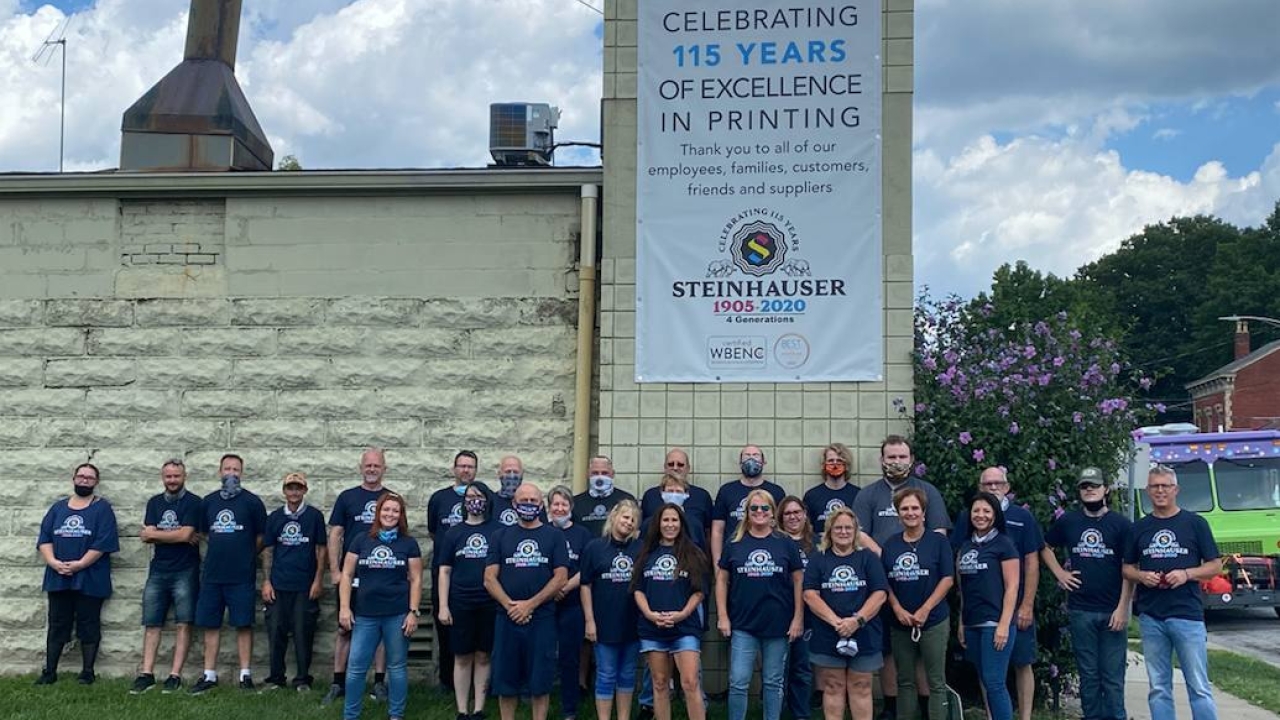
73,609
293,613
443,639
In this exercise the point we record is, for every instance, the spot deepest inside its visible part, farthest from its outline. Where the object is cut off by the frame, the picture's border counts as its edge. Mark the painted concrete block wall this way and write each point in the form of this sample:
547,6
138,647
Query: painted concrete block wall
421,324
792,422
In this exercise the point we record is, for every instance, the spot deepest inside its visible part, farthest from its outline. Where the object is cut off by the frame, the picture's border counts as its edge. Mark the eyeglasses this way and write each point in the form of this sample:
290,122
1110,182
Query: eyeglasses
795,511
830,463
677,464
1161,486
760,508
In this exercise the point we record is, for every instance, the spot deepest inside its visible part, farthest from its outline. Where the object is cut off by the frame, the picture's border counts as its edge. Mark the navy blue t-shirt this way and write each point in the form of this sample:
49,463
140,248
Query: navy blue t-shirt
576,538
1180,542
353,512
293,542
761,591
731,503
821,501
465,549
165,515
74,533
914,572
697,513
444,510
232,528
591,512
982,577
666,588
527,560
1021,527
845,584
606,568
1095,547
382,574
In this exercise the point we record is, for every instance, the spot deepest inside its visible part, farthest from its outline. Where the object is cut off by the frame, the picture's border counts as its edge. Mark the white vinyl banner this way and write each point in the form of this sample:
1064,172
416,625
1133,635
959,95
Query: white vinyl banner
758,219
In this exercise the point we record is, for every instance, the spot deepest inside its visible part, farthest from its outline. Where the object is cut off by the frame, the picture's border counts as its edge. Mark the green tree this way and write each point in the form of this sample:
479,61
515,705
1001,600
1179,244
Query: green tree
289,163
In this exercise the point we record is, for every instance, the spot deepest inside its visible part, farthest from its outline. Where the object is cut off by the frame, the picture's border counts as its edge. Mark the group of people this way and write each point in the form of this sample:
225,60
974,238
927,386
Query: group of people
825,589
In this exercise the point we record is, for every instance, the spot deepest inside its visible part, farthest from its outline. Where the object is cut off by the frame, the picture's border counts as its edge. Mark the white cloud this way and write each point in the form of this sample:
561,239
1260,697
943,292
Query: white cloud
1165,134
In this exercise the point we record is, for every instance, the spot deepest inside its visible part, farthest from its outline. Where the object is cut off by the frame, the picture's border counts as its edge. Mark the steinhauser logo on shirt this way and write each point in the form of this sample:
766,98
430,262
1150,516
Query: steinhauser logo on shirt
168,521
833,505
73,526
508,517
740,511
366,517
455,515
475,548
528,555
664,569
1091,545
890,511
760,564
225,523
291,535
969,563
843,579
382,558
907,568
1164,545
599,512
620,569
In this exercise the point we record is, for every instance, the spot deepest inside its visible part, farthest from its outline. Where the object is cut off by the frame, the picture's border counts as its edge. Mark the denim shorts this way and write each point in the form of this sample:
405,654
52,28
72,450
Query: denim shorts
860,663
237,600
684,643
176,589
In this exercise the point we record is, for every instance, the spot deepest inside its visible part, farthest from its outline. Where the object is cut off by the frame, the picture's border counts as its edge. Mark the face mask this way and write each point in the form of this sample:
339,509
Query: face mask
508,483
1094,505
562,522
476,505
835,471
230,486
460,490
528,512
1004,503
896,470
675,497
83,490
174,497
389,535
751,468
601,485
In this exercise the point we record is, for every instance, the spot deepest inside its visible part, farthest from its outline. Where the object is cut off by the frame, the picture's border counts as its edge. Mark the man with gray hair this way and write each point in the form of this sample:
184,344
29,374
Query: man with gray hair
169,526
591,508
1171,551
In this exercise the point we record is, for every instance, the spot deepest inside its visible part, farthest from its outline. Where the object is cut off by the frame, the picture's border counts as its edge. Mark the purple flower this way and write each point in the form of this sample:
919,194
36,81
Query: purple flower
1058,512
978,455
1077,417
1145,383
929,363
1045,379
1053,671
1058,361
1029,351
1053,464
965,438
1115,368
920,469
1160,408
920,407
1136,435
1014,429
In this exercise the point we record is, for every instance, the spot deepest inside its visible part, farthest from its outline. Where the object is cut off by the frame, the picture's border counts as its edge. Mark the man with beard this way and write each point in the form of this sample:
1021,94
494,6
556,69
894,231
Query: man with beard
444,510
510,475
731,500
591,508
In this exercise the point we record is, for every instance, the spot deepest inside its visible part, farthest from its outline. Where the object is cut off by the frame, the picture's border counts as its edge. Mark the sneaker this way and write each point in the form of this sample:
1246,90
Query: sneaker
86,677
272,684
379,692
47,678
203,686
336,692
246,684
302,687
142,683
477,715
172,684
646,713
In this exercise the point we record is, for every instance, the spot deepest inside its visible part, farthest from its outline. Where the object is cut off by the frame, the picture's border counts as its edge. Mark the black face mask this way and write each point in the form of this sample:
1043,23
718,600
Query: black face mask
83,490
1094,505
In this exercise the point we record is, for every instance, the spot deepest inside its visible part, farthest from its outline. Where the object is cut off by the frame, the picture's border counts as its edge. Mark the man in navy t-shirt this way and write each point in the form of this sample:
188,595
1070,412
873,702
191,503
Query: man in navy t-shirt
1095,540
444,510
528,564
232,521
349,520
731,501
294,566
1170,553
591,507
836,489
169,526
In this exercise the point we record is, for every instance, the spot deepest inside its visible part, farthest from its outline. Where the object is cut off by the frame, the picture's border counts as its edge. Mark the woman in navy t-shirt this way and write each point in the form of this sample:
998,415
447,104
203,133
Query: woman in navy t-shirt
920,570
760,609
987,568
607,564
844,588
386,564
668,592
796,697
467,608
77,537
570,623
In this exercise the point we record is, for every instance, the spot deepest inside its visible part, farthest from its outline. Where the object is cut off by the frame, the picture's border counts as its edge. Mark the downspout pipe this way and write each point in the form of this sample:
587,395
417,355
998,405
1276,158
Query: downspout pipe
586,337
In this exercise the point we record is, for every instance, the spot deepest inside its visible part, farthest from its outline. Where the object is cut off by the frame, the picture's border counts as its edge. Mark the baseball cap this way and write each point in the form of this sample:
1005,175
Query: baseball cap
1091,475
295,478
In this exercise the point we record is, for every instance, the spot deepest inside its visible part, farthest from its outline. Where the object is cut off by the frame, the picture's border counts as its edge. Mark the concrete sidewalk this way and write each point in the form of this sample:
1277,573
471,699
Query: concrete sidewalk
1230,707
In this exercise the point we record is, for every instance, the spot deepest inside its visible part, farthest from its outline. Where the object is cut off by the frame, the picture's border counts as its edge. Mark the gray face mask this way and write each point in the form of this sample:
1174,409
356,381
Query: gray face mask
508,483
230,486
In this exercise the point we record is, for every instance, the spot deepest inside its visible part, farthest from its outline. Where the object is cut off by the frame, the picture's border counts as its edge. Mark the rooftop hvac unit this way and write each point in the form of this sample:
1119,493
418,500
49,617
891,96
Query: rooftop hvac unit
522,133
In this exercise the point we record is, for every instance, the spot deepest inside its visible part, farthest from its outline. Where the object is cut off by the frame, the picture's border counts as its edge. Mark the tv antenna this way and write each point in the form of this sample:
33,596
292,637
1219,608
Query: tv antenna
43,56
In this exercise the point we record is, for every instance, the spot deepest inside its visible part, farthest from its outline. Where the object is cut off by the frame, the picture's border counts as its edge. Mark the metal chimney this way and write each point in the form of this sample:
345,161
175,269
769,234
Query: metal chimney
196,117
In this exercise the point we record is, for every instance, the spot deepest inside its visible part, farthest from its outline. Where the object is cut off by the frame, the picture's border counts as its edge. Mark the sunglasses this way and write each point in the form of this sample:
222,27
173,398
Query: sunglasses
1089,486
760,508
677,464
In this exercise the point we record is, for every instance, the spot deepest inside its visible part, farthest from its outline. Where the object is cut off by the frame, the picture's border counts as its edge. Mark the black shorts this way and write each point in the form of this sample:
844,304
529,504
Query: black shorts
472,629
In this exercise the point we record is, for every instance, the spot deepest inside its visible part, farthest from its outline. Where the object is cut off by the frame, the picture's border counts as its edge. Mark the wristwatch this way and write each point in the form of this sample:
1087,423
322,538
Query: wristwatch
416,612
862,622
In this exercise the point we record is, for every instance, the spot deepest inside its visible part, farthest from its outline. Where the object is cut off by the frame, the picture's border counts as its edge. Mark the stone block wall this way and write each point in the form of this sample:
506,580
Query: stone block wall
422,324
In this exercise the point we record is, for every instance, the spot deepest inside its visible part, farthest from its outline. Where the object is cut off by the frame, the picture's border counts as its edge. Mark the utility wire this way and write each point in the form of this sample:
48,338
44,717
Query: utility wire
584,3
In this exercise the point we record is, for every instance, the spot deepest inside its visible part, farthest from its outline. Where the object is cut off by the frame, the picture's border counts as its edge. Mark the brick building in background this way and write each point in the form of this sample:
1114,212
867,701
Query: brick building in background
1244,394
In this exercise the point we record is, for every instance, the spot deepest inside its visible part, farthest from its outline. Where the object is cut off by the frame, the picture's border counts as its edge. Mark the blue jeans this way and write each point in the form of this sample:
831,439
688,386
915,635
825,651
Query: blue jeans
743,648
1101,657
993,667
1162,638
616,668
366,633
799,679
